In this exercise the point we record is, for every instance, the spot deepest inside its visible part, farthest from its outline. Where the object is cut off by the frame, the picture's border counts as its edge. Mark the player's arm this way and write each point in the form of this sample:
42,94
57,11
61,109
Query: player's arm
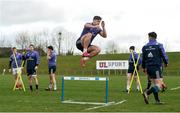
143,60
48,55
103,33
89,25
163,55
23,59
37,60
10,62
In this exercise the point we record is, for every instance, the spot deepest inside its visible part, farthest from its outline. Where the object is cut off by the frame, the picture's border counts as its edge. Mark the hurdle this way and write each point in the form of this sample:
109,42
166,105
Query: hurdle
106,79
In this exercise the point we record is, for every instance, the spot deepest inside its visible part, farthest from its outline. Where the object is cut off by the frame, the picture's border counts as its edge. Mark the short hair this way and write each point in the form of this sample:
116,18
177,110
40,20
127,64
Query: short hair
97,18
14,48
152,35
50,47
132,47
31,45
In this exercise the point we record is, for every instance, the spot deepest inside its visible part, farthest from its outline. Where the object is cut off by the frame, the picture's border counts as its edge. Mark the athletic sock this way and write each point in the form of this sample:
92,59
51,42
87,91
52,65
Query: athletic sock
55,87
156,96
127,87
155,92
31,88
37,86
84,50
148,84
50,86
138,87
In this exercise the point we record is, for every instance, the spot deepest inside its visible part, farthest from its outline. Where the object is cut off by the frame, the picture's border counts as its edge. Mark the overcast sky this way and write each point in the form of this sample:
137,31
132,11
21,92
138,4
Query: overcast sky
127,21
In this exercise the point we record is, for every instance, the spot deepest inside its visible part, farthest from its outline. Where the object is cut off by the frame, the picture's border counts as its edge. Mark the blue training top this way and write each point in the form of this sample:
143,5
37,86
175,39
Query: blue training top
32,58
18,59
153,54
93,31
131,62
52,60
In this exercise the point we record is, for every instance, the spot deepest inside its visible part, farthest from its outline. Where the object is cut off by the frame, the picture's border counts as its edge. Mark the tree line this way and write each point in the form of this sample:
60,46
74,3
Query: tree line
63,41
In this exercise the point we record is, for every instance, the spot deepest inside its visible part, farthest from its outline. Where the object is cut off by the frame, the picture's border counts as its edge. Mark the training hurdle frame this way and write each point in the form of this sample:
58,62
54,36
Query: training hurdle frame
73,78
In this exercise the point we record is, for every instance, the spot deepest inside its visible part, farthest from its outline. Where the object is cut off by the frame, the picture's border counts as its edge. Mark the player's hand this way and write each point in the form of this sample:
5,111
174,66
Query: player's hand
102,24
9,70
36,67
145,71
165,65
48,52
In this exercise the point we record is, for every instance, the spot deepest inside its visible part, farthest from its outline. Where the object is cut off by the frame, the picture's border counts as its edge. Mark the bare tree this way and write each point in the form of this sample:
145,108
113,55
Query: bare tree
63,40
4,42
57,37
112,48
23,39
69,41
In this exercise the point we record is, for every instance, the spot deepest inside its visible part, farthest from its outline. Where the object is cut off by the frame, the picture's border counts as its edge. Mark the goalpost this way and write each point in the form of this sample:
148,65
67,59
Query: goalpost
71,78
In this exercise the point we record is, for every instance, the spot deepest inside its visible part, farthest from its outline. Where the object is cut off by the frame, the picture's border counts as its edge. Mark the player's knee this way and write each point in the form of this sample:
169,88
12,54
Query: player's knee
98,50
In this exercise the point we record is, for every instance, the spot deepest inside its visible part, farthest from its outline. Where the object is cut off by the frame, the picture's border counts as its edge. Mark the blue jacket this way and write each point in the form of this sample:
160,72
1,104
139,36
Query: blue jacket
131,62
153,54
32,58
12,63
93,31
52,60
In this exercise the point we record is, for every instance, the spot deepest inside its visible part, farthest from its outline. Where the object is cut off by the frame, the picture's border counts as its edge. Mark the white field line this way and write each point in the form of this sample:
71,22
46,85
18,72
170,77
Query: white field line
109,104
175,88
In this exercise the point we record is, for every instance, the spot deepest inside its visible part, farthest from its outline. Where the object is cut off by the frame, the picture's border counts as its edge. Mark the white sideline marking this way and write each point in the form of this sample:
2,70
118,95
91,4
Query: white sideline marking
175,88
120,102
92,103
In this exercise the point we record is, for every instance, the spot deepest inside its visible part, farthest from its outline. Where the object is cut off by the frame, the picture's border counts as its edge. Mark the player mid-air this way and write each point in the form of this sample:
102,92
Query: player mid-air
90,31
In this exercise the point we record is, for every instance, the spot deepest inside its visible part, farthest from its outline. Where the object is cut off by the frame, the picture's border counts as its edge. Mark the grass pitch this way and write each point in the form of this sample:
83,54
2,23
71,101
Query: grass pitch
49,101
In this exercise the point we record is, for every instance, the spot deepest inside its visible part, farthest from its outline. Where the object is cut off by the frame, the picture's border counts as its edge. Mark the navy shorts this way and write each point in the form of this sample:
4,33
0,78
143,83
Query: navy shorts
79,45
131,70
154,72
31,71
52,69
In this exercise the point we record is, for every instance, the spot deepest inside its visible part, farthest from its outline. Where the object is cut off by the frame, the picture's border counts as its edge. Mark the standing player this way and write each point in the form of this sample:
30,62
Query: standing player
131,68
51,57
87,36
153,54
15,64
33,60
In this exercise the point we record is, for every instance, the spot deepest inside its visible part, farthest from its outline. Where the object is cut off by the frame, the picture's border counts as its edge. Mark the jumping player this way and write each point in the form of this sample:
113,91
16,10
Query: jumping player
131,68
15,64
33,60
90,31
51,57
153,54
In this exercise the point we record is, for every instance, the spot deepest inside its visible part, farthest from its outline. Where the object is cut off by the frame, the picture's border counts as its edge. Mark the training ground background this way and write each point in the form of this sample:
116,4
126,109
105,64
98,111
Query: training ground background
49,101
